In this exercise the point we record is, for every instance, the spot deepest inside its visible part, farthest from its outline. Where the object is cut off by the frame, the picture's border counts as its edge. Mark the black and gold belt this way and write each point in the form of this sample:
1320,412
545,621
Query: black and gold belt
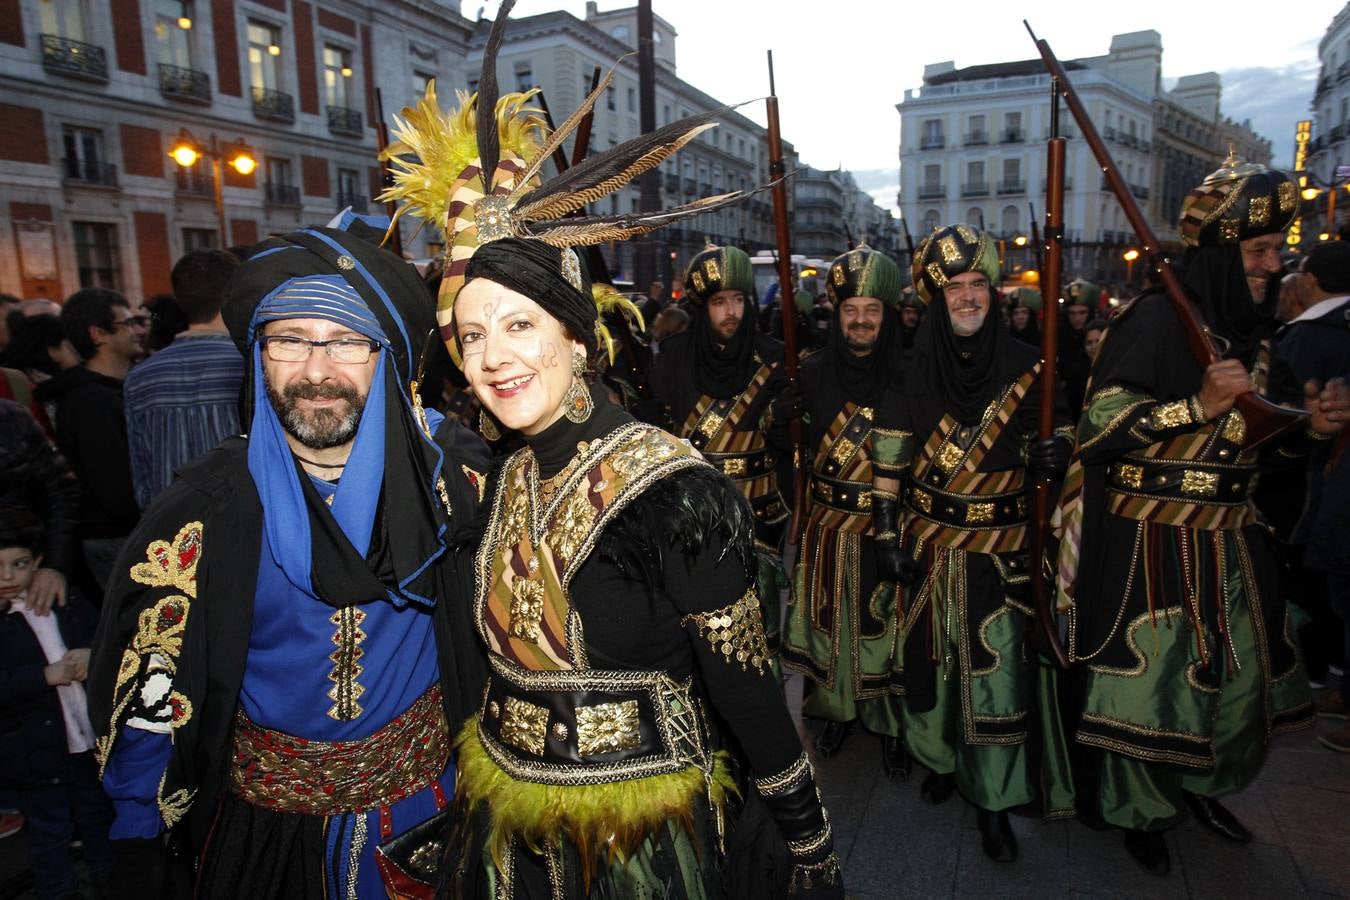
741,466
969,510
852,497
589,726
1185,482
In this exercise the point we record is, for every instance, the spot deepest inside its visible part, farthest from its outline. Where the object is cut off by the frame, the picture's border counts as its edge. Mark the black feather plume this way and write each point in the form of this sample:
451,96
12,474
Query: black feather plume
489,143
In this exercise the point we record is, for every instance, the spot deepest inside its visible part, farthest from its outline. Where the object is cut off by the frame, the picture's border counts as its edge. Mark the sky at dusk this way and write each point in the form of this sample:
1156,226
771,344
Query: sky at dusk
842,66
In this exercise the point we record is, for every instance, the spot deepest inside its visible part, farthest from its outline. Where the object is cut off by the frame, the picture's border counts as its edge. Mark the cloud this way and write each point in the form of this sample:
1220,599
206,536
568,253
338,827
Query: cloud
1274,99
882,185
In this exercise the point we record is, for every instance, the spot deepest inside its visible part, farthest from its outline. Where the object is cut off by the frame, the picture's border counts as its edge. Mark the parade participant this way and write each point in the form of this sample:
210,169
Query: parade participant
720,386
1074,363
615,573
278,666
1165,571
1022,324
911,314
972,404
841,627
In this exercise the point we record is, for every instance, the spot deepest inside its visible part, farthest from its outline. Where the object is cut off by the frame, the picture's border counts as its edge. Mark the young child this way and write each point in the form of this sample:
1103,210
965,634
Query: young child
46,742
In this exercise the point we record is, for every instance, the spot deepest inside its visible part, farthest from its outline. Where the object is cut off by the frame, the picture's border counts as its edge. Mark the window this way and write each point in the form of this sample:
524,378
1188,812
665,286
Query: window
420,81
609,99
977,128
932,176
337,76
264,46
278,171
63,18
199,239
96,255
665,114
619,32
931,220
83,153
632,100
173,24
974,172
1011,220
348,185
975,216
1012,171
932,130
524,76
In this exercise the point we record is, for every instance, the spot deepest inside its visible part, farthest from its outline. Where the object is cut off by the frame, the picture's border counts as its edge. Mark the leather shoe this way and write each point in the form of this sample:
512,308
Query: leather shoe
1214,816
832,738
1149,850
895,759
937,788
996,835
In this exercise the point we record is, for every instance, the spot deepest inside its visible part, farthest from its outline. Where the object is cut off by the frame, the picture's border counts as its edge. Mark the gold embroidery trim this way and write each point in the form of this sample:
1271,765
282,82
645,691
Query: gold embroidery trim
1258,211
921,499
787,780
1199,484
1234,427
711,422
346,657
525,725
736,631
697,278
979,513
1286,192
1170,415
949,456
713,271
1229,228
1129,475
843,450
527,609
173,563
607,727
950,252
734,466
935,272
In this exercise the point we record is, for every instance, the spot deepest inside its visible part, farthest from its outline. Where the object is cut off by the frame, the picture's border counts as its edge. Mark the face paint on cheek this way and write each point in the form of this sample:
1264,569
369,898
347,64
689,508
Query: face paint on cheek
550,357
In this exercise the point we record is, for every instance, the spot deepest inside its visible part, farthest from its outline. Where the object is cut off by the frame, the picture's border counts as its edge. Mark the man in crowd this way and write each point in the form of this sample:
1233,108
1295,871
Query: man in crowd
91,430
1166,571
1079,306
717,383
972,404
911,314
842,625
292,590
654,302
184,399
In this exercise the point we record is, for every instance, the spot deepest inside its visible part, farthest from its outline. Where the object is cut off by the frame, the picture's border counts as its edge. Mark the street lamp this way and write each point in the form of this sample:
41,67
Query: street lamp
1129,256
186,151
1313,187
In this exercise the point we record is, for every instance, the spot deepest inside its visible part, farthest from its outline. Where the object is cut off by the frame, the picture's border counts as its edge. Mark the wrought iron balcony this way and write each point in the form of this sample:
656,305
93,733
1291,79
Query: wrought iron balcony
357,202
932,191
1139,191
178,83
977,138
90,172
281,194
277,106
690,186
1012,187
672,184
932,142
342,120
193,183
975,189
62,56
1013,136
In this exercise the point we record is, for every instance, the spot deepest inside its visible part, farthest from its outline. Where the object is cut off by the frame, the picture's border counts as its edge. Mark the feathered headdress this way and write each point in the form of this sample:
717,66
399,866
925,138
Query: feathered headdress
498,192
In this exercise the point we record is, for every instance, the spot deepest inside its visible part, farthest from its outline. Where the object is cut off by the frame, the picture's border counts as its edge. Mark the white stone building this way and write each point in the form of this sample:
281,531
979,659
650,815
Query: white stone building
1330,146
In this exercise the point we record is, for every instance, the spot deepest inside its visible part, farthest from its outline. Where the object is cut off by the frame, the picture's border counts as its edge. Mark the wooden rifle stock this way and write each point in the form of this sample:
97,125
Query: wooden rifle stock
1264,419
1041,588
582,142
387,175
787,300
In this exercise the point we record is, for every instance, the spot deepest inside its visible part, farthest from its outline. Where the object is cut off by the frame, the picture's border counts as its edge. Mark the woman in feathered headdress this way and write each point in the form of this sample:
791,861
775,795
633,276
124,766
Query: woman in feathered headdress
615,576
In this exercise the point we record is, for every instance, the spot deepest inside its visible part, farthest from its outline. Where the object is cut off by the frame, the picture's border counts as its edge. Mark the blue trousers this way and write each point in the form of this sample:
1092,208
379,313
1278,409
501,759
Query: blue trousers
55,814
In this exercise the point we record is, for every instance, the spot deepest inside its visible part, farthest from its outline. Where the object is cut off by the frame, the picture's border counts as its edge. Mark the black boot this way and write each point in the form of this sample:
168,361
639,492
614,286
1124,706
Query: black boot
996,835
1217,818
937,788
895,759
1149,850
832,738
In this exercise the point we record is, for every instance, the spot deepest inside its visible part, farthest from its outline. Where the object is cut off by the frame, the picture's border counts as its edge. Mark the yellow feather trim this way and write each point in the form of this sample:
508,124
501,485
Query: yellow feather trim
607,822
442,145
608,300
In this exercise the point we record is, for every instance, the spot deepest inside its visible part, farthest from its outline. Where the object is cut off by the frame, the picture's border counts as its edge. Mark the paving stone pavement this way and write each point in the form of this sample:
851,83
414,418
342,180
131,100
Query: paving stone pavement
893,845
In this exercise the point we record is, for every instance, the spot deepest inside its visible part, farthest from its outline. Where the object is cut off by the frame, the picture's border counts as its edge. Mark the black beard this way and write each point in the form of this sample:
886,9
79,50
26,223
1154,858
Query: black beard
323,428
860,345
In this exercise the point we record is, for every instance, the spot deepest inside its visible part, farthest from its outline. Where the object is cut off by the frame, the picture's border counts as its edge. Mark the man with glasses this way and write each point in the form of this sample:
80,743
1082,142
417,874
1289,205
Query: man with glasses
277,668
91,432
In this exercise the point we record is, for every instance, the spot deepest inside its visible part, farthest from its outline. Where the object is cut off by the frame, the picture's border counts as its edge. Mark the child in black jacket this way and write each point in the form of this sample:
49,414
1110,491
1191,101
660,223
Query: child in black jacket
46,742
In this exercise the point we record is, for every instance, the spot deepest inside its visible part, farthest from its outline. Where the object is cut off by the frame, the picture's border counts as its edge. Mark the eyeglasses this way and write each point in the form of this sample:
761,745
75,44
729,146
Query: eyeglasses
132,322
288,348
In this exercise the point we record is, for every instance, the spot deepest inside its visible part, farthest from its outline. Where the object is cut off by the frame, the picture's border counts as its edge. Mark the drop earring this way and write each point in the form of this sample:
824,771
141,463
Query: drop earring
488,428
577,403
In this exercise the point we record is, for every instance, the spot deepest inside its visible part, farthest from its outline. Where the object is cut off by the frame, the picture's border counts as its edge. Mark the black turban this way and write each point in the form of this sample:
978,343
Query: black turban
536,269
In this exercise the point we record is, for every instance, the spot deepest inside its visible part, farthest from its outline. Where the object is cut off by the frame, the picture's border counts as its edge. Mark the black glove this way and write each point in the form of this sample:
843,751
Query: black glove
892,563
801,819
790,402
1048,459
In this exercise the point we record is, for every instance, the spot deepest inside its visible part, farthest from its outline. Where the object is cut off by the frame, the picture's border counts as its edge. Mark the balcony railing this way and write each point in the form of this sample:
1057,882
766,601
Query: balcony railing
976,138
672,184
1139,191
357,202
178,83
1013,136
277,106
84,171
62,56
342,120
932,142
196,184
974,189
690,186
1012,187
932,191
281,194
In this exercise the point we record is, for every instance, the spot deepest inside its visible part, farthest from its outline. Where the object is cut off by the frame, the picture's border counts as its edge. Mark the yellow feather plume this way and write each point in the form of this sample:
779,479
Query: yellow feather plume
608,300
442,145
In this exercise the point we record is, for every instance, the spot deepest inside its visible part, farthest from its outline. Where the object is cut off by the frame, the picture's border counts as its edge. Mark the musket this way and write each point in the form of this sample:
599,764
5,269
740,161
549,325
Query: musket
1264,419
1046,621
559,158
1040,251
786,298
909,240
386,174
582,142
